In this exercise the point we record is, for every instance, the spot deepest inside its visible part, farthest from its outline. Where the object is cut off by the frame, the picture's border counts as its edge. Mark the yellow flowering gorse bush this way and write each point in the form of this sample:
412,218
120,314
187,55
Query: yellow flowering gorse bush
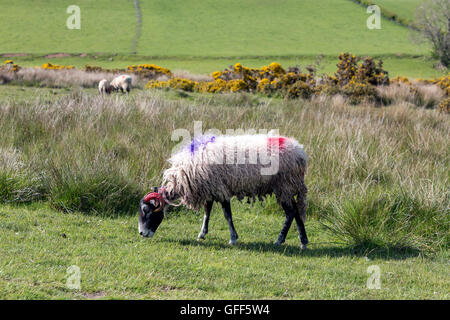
145,71
149,71
11,66
352,80
49,66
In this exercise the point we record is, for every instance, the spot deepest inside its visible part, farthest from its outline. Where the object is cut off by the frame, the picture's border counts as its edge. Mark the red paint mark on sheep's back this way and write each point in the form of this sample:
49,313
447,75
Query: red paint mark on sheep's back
279,142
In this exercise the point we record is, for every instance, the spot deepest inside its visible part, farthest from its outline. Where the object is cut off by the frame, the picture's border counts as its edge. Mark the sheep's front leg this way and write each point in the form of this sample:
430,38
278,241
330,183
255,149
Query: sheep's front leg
289,211
204,231
227,213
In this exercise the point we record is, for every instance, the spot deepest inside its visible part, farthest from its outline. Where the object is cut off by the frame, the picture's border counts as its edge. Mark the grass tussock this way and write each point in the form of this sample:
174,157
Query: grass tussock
18,182
377,176
418,94
97,185
400,220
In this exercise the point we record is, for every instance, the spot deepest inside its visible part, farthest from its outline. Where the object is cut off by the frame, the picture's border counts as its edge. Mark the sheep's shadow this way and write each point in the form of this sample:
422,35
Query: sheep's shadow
314,250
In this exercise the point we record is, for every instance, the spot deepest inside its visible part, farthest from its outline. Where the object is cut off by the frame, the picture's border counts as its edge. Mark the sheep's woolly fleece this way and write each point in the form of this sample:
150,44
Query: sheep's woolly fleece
103,86
123,81
214,168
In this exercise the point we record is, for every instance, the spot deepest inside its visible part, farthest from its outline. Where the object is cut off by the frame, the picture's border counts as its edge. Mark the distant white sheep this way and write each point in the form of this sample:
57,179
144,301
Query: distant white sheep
104,87
122,83
218,168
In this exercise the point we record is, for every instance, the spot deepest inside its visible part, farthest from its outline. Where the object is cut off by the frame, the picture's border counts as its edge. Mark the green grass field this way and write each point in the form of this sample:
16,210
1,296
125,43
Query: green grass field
115,262
203,36
202,28
404,8
263,27
40,26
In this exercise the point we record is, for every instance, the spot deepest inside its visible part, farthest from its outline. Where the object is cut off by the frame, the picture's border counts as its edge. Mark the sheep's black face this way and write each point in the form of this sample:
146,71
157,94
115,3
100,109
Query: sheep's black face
149,220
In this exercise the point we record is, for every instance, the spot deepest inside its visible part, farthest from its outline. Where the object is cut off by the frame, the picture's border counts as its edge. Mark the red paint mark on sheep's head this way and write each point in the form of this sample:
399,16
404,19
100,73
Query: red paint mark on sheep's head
278,142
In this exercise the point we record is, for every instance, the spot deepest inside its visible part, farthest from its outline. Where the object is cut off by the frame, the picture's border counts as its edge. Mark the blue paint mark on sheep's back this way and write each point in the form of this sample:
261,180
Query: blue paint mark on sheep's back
200,141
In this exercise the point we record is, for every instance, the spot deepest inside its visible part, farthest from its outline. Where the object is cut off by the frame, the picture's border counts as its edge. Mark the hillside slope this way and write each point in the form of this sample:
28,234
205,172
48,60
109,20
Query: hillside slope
403,8
176,28
265,28
39,26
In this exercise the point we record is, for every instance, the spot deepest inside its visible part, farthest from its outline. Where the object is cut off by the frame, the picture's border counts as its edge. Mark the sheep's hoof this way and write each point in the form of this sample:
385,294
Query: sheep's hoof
278,243
304,246
201,236
232,242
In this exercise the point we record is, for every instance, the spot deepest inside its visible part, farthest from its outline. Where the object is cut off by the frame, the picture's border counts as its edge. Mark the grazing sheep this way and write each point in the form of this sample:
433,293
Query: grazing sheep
122,83
104,87
218,168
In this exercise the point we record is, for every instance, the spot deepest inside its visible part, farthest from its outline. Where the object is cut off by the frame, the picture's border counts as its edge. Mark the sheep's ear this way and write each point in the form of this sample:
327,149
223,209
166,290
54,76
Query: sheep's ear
171,197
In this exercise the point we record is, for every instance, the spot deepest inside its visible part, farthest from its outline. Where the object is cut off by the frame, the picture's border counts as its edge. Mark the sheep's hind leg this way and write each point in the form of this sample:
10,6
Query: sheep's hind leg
299,213
204,231
227,213
301,231
289,211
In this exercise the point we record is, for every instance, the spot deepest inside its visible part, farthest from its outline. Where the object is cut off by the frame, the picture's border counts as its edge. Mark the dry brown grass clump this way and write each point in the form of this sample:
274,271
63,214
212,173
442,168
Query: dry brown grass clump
64,78
419,94
444,106
351,148
193,77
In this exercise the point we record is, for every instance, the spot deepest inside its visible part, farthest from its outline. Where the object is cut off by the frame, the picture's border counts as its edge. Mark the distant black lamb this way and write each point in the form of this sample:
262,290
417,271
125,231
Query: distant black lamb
218,168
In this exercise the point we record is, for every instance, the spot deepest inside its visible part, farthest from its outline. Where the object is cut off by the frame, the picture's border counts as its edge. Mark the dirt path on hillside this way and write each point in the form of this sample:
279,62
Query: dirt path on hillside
138,27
